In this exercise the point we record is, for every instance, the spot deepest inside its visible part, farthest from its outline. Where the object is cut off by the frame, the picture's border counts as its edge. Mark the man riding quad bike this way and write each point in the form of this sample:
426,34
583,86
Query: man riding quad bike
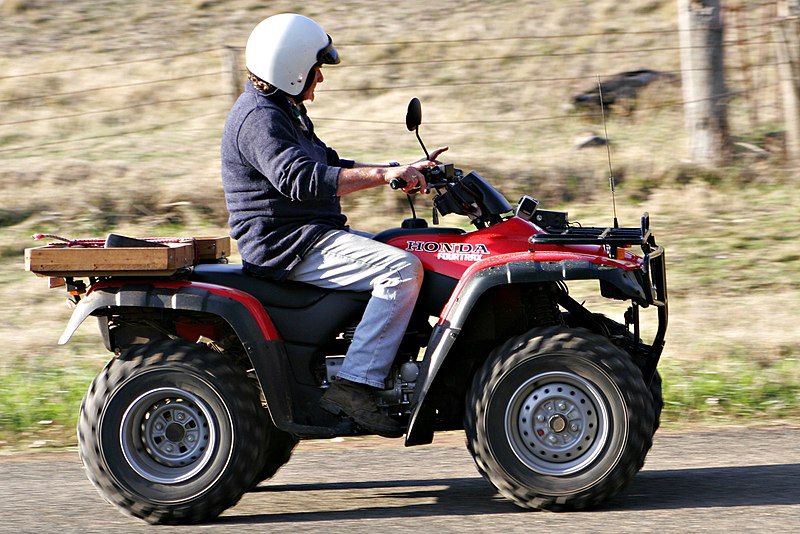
218,373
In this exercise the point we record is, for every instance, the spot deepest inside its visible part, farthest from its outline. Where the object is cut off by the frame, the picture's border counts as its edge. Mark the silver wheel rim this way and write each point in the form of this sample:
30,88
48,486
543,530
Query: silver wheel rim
557,423
168,435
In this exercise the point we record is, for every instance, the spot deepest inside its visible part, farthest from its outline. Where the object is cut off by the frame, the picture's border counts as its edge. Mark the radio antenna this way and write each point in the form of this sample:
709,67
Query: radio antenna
608,151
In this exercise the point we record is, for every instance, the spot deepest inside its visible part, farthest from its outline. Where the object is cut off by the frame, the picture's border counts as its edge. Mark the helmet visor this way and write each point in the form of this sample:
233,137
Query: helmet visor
328,55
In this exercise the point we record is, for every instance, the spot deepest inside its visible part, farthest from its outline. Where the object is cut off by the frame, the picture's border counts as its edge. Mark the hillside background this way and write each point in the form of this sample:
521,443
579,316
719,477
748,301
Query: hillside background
111,114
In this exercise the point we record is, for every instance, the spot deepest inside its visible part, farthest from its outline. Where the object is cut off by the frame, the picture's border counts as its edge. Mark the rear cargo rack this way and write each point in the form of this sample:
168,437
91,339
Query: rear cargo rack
124,256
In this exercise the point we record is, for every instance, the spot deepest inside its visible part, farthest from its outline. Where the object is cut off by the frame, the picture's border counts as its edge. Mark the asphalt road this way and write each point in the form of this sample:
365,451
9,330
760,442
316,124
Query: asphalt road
732,480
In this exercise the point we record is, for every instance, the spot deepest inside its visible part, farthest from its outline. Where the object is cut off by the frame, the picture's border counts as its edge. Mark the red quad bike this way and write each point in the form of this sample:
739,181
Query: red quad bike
216,375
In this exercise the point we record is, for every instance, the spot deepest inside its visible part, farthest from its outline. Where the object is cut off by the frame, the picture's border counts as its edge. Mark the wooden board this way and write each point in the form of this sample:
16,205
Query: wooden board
212,248
65,261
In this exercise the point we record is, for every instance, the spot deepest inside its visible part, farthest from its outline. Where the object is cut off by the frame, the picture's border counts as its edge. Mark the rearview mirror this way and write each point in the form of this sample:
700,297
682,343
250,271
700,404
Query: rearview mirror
414,114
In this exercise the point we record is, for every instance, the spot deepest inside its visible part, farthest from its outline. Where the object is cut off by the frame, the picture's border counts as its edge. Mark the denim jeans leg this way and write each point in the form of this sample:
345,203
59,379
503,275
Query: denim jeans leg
343,260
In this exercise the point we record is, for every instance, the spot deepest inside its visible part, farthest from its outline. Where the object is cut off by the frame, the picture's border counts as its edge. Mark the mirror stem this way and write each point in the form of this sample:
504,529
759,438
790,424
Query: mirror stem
416,131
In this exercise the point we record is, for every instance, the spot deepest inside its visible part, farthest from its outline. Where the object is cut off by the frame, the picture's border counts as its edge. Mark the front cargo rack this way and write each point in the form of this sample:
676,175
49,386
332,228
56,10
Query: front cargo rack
618,237
597,235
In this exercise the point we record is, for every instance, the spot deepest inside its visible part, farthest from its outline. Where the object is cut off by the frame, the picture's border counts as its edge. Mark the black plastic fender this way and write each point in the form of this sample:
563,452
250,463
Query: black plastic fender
445,333
240,310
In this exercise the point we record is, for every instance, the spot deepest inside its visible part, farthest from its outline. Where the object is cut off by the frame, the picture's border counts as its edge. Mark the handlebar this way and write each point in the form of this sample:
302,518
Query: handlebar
438,176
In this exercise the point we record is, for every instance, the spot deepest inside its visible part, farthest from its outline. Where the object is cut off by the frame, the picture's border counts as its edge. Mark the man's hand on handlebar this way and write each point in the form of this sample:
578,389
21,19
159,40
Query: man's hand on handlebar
409,178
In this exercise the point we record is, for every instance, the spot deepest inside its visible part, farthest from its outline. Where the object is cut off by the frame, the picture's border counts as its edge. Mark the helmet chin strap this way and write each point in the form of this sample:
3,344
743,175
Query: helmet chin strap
297,99
310,77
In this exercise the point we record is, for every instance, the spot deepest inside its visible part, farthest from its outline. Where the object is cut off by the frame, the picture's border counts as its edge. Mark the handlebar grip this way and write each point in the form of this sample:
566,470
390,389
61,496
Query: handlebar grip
399,183
428,172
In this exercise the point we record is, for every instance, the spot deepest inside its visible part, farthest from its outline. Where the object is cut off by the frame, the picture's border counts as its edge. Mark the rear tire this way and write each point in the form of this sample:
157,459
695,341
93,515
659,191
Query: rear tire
559,419
170,431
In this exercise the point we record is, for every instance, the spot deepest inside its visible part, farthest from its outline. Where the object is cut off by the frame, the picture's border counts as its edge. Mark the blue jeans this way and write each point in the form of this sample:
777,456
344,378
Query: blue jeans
344,260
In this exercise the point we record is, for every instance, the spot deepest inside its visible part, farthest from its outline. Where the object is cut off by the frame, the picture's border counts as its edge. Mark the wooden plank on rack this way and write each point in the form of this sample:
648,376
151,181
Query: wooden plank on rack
76,261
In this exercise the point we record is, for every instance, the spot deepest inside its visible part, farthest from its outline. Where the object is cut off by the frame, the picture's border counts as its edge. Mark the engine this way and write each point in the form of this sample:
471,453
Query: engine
401,383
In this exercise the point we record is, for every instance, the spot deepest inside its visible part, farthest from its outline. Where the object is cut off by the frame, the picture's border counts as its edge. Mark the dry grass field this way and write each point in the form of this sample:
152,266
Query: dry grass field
111,114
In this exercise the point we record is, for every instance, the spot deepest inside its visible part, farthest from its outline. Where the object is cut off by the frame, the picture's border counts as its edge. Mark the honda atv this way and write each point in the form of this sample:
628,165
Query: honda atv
216,375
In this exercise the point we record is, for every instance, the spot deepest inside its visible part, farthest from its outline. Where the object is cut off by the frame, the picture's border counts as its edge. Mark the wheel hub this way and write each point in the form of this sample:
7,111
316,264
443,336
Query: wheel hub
558,423
167,435
564,422
554,423
173,431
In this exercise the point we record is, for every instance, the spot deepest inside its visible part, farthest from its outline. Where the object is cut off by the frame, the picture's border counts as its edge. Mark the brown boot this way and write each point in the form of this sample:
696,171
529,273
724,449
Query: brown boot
356,400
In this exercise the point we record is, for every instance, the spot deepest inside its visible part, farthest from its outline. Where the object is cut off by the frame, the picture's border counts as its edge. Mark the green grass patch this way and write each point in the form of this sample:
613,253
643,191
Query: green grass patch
39,403
733,390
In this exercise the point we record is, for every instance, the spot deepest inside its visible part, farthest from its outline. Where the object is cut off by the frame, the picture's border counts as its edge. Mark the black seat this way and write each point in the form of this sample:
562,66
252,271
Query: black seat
270,293
302,313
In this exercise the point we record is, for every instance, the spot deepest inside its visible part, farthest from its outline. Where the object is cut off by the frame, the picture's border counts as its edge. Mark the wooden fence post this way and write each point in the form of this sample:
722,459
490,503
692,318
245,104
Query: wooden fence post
787,44
233,82
703,74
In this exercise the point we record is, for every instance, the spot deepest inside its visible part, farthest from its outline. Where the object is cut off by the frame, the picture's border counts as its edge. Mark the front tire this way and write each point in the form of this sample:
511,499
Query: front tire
658,400
169,432
559,419
278,447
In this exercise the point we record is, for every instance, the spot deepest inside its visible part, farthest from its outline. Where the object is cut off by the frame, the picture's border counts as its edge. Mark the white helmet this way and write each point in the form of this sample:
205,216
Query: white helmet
284,48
